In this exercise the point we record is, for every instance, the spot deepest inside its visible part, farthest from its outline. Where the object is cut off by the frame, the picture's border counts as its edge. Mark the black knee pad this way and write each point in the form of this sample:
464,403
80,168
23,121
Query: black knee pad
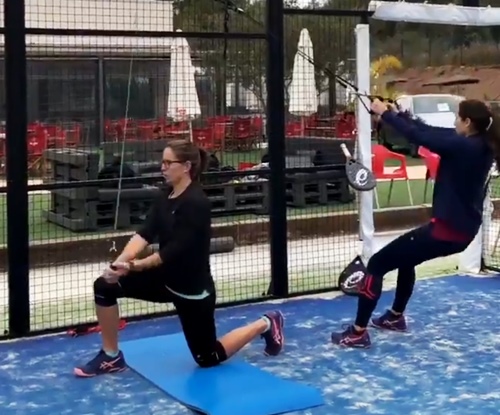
211,358
105,294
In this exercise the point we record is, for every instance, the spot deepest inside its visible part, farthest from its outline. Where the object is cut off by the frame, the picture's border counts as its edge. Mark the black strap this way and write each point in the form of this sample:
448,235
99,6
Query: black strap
229,5
227,16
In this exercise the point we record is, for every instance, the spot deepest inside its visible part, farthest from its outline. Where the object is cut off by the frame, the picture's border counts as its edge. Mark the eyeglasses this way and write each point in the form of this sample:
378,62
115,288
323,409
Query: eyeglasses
168,163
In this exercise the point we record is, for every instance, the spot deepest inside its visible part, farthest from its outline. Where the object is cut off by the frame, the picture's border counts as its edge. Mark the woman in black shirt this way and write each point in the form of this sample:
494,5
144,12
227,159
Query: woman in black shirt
179,273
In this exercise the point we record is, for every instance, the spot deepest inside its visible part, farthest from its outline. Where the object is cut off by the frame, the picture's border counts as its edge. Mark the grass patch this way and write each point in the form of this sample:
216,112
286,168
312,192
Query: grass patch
234,158
41,230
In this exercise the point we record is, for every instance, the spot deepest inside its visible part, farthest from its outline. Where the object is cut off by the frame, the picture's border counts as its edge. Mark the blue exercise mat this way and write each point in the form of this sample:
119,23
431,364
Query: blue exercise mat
233,388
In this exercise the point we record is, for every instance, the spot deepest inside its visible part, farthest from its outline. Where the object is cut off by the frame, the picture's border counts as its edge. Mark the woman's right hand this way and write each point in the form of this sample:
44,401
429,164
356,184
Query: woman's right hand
115,271
378,107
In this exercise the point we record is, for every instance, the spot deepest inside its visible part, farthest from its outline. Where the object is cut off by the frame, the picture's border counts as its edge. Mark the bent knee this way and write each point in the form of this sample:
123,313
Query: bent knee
377,265
211,358
105,294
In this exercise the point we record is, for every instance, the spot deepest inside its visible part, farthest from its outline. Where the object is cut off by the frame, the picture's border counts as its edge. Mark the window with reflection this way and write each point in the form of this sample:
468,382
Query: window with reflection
62,90
137,88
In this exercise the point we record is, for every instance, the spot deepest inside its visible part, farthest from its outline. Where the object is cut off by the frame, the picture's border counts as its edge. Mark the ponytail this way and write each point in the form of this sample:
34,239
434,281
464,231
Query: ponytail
484,122
202,165
185,151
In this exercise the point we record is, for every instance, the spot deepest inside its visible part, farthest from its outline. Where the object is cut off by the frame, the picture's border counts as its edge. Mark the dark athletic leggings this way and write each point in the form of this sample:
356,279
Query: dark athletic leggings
403,254
197,317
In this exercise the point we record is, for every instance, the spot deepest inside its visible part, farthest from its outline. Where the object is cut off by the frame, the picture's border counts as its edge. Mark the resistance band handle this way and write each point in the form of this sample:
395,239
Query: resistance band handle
346,151
381,98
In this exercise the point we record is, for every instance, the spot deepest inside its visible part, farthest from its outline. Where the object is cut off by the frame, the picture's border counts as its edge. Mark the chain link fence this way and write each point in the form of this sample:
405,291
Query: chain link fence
107,85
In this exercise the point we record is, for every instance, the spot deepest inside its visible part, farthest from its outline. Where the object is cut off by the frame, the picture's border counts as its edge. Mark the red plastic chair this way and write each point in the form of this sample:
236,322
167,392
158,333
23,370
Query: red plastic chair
245,165
380,156
37,141
220,119
219,135
73,135
203,138
56,136
345,126
242,133
258,128
432,164
146,132
293,129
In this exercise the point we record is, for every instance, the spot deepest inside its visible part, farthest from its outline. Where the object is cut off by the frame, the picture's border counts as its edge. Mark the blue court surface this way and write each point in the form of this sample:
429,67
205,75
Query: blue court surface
449,363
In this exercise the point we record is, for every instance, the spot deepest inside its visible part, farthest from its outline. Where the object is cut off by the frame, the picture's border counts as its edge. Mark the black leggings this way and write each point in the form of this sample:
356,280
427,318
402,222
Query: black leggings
197,317
403,254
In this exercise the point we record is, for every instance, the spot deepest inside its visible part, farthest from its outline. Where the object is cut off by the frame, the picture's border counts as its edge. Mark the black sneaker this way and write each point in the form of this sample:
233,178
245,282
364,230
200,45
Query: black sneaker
351,338
274,337
101,365
390,321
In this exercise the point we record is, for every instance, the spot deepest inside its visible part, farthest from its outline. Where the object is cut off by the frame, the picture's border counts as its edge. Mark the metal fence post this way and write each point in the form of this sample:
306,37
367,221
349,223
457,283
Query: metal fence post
276,140
17,168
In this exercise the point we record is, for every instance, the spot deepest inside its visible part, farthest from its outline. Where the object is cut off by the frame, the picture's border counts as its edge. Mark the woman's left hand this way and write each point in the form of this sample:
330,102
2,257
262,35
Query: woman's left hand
378,107
393,107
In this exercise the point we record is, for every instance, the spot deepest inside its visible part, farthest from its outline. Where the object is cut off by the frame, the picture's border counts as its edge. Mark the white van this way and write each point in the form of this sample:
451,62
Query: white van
434,109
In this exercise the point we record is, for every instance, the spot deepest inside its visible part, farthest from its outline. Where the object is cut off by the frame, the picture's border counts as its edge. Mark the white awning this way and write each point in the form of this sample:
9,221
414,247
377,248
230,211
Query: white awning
449,14
133,15
96,45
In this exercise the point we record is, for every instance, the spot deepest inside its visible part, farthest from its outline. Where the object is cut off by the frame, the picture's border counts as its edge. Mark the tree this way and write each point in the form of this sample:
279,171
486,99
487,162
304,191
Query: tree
334,43
244,61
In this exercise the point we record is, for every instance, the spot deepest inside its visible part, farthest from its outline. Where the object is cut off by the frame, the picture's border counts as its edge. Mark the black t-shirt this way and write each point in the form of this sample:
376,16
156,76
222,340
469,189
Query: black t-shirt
182,226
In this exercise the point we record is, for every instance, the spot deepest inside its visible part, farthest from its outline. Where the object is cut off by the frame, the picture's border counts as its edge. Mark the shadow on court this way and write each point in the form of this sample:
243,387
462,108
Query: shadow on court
447,364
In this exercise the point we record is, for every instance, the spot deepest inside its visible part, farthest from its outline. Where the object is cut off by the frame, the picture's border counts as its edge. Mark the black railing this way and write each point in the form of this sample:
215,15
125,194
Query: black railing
17,168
